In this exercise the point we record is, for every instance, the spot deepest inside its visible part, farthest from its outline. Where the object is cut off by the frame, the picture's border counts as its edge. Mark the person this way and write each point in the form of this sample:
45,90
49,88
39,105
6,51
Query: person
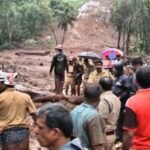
88,68
107,63
59,64
54,128
88,124
128,70
118,59
136,62
69,78
121,88
77,72
109,109
137,117
95,76
14,108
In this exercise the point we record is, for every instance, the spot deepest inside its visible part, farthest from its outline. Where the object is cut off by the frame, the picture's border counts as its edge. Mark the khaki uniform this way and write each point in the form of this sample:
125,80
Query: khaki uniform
14,107
95,76
69,78
109,108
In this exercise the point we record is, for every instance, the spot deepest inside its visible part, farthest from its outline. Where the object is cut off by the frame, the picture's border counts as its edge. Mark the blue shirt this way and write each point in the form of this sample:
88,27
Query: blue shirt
81,116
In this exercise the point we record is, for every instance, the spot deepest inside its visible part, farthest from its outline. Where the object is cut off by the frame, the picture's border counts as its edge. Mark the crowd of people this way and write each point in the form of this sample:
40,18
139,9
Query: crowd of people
115,107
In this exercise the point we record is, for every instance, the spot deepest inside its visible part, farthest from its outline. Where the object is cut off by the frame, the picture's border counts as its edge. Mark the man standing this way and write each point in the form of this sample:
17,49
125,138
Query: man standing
137,117
136,62
121,88
77,72
109,109
59,64
98,73
14,108
54,128
88,68
88,124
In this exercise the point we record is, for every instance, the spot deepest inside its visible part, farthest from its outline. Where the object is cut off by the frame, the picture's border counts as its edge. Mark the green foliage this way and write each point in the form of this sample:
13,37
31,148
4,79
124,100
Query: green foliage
63,15
25,19
75,3
132,19
21,20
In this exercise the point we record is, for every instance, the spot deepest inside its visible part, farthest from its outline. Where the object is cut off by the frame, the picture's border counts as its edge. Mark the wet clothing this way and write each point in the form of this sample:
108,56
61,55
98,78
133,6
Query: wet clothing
96,76
14,108
137,118
59,64
88,125
72,145
78,72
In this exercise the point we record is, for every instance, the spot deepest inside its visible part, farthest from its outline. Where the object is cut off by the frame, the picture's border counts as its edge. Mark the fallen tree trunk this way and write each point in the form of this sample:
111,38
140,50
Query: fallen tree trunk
33,53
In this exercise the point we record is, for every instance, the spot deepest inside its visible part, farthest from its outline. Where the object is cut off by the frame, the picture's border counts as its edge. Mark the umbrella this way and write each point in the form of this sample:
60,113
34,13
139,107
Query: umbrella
90,55
112,53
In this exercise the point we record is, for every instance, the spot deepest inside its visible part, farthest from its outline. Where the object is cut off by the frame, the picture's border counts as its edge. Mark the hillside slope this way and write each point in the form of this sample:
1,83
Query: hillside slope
92,30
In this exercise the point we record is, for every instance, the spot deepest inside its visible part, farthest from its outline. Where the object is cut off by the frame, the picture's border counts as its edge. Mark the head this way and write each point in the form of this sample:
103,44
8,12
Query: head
54,124
106,83
143,77
118,69
118,57
99,65
129,70
59,48
86,61
92,93
136,62
74,60
107,57
10,79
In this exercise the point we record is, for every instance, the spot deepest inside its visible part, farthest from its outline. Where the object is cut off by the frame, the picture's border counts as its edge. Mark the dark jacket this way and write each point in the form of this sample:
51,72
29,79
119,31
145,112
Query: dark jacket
59,64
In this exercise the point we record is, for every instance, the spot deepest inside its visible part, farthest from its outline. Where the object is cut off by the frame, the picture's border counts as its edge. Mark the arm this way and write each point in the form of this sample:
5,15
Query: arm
66,64
130,124
31,108
52,65
34,117
127,139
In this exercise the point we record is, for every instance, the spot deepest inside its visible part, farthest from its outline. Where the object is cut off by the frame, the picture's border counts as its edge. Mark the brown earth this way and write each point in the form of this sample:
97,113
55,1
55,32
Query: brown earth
33,66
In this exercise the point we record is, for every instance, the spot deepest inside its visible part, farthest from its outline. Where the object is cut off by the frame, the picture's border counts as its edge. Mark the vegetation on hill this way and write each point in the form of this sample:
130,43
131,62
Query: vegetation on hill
26,19
132,19
75,3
